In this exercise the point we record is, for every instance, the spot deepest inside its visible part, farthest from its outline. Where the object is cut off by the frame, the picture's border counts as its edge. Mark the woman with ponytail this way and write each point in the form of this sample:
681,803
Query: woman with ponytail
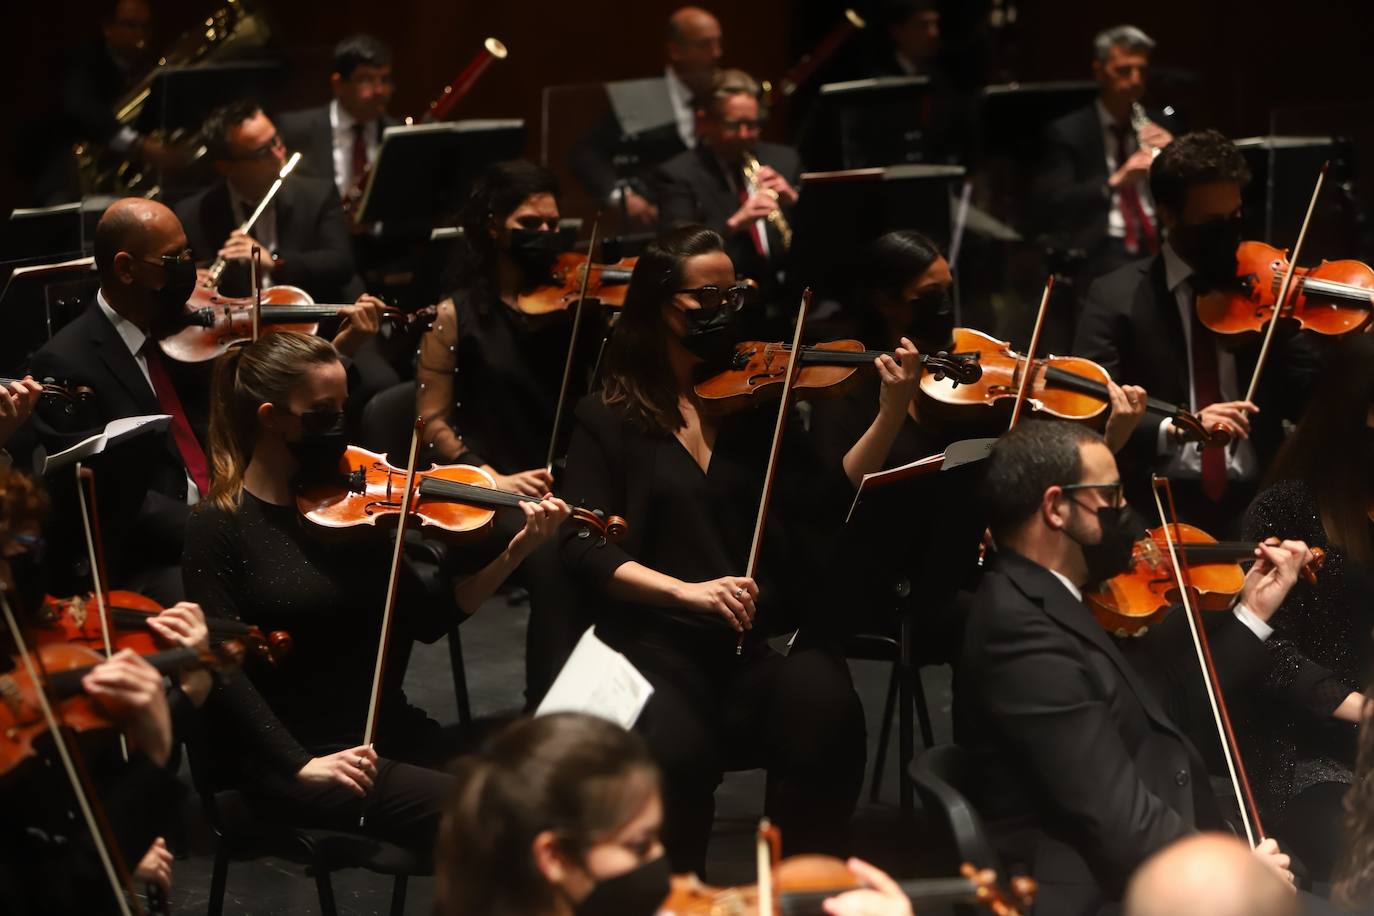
291,738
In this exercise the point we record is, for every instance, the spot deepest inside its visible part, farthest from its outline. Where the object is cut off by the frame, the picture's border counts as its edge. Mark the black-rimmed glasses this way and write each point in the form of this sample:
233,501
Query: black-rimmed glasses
713,297
1114,493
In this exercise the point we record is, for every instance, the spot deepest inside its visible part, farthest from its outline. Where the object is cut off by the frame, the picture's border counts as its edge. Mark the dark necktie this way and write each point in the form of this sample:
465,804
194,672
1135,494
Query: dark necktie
1140,232
192,455
1207,390
355,180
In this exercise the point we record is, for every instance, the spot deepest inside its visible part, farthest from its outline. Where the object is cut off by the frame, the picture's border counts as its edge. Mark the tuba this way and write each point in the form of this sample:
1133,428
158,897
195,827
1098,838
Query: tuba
751,168
228,31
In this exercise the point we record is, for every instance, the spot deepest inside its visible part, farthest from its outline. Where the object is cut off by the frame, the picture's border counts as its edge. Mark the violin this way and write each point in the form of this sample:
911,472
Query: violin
214,323
1066,387
55,391
757,371
1131,602
76,620
1332,299
605,283
63,666
455,502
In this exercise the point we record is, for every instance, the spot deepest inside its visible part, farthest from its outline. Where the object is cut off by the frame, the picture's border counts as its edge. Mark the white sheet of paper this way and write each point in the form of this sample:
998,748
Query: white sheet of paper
116,431
598,681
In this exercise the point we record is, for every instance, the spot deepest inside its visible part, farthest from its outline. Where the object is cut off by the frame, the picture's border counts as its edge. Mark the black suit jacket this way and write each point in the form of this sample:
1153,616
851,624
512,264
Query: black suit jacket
1082,773
142,482
309,132
692,188
1070,190
312,241
1130,324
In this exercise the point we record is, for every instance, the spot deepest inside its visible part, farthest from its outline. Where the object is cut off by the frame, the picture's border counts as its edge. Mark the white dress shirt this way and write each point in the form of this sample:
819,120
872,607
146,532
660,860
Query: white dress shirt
134,339
1186,461
341,123
680,94
1116,221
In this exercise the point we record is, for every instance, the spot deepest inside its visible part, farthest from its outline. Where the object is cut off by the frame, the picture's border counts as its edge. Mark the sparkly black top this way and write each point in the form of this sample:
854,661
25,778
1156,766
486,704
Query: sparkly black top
1319,654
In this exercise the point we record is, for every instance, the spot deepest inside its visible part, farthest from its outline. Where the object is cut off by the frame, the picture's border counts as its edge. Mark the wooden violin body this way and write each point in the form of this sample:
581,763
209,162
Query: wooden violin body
1333,298
455,502
606,283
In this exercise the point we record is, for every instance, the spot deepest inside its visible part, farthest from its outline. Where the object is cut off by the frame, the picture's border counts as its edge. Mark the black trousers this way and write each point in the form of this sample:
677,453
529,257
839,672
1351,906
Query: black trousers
712,711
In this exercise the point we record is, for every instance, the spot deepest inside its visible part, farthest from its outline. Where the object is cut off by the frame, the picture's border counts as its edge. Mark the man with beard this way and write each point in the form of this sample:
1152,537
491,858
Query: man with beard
1140,323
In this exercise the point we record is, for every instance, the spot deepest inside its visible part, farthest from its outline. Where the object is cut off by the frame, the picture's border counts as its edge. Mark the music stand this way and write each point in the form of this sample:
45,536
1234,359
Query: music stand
43,235
37,301
423,172
179,98
1282,172
1013,116
879,544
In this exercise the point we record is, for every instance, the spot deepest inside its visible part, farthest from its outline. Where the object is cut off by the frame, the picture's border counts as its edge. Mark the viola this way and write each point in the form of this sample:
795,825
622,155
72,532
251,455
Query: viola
1131,602
757,370
55,391
606,283
77,620
214,323
456,502
64,665
1067,387
1332,299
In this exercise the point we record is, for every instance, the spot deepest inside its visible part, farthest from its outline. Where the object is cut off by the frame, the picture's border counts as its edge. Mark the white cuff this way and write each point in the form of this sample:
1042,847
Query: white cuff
1164,442
1255,625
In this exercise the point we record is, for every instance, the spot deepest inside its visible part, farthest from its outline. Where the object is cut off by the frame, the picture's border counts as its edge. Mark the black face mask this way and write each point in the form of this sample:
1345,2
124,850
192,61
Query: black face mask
1121,529
1210,249
710,332
178,283
638,892
932,319
534,251
323,441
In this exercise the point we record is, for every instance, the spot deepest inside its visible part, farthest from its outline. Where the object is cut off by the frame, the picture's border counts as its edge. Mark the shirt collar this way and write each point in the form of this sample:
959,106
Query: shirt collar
678,91
1073,589
1176,270
339,118
130,333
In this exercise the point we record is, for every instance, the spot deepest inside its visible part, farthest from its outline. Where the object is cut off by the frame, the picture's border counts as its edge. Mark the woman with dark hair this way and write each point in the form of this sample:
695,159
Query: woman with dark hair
1299,733
489,375
1353,889
291,737
675,595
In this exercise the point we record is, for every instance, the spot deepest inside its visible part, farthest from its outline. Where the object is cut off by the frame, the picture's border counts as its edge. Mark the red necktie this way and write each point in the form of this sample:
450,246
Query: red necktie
1140,232
355,180
192,455
1207,390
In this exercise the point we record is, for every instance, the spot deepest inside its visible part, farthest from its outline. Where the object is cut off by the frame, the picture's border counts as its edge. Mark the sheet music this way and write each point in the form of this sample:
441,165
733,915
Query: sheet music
892,475
116,431
598,681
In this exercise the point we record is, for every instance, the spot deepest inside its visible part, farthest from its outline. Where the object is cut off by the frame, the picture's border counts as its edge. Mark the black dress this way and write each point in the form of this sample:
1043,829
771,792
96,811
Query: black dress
1301,760
712,710
257,564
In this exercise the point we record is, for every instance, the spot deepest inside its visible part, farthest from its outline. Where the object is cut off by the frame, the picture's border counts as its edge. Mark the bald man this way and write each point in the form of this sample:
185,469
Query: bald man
1209,874
666,119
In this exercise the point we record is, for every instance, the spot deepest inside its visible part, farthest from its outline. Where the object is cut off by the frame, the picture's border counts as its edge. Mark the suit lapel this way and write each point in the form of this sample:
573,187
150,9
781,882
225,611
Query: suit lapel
114,353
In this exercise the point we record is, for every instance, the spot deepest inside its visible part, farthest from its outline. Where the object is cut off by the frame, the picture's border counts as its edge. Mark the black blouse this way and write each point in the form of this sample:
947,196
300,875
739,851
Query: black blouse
697,525
258,564
1319,654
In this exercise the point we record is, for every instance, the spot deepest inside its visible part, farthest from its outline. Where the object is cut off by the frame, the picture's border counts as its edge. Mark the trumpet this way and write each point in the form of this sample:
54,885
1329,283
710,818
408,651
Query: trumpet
751,168
1139,121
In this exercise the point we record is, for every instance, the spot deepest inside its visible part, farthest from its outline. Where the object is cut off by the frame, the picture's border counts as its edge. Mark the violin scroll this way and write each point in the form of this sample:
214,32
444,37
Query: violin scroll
595,521
959,368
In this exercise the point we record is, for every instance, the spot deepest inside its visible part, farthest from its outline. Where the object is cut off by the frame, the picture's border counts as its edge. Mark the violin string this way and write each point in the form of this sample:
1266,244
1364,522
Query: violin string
457,491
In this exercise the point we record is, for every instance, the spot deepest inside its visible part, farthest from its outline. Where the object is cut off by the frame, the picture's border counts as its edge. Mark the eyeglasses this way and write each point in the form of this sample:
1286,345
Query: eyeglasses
171,260
1114,493
263,152
752,125
713,297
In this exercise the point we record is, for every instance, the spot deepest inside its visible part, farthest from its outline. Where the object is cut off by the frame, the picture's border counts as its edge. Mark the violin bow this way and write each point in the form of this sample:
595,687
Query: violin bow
256,310
95,555
1285,286
111,863
572,348
1235,766
794,365
389,609
1029,371
767,850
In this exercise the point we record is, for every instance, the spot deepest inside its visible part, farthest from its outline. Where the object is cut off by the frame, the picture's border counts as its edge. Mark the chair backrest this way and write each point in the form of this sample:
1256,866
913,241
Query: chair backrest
941,776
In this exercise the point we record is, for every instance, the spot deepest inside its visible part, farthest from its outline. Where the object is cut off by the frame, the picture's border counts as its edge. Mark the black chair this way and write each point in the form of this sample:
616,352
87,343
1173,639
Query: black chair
385,426
941,776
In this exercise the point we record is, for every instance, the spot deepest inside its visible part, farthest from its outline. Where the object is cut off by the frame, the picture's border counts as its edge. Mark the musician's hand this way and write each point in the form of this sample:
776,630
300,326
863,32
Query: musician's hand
16,404
1232,416
1128,406
360,323
880,897
131,691
156,866
1276,568
541,522
1268,853
901,377
641,211
534,482
183,624
240,245
1135,169
730,597
1154,136
770,179
758,206
354,769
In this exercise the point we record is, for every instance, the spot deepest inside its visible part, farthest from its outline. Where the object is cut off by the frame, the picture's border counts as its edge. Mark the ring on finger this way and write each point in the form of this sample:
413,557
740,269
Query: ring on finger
739,593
